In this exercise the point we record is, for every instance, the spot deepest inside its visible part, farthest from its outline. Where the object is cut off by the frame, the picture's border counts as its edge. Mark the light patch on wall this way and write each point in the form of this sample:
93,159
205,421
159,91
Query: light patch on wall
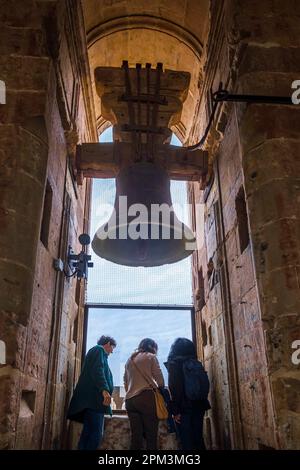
2,352
27,404
2,92
200,225
296,94
296,354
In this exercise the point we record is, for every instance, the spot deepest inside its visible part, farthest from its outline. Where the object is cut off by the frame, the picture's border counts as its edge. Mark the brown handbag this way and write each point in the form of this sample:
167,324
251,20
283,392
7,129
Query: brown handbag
161,409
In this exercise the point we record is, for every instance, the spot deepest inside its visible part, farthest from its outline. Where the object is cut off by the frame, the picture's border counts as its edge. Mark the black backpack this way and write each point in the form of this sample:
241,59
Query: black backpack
196,383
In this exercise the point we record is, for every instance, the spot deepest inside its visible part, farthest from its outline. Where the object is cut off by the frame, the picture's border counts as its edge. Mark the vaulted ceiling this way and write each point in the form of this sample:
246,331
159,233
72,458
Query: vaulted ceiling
173,32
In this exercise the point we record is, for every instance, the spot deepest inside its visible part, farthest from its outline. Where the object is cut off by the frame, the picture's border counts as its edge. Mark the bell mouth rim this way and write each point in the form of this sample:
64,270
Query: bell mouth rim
142,263
162,225
150,264
118,257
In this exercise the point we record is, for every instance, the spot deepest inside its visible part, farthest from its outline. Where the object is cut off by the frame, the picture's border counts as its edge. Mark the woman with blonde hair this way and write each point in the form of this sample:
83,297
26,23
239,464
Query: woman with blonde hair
142,375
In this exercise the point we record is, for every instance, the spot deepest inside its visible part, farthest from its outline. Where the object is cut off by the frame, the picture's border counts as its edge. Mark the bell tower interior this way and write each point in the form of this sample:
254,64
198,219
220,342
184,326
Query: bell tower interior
218,75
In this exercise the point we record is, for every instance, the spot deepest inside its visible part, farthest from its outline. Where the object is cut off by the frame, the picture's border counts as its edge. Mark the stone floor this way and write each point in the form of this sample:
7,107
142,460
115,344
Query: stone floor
117,435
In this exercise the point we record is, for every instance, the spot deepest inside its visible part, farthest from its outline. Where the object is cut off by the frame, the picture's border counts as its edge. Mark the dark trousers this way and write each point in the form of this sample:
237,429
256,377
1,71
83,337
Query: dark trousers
190,430
141,411
92,431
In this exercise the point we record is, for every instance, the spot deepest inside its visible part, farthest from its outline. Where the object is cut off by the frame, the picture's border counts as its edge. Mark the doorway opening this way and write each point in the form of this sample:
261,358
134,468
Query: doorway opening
128,324
131,303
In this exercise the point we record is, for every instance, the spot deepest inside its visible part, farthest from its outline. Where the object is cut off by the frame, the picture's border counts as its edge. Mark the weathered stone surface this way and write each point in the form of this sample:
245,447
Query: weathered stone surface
29,41
25,73
279,345
246,315
241,276
258,58
287,390
286,395
272,201
265,83
19,234
268,9
33,143
251,316
273,160
270,146
10,379
276,245
261,123
14,336
15,280
281,295
22,104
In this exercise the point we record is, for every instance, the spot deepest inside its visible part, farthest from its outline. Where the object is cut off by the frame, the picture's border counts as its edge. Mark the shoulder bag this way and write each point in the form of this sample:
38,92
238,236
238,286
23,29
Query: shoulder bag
161,409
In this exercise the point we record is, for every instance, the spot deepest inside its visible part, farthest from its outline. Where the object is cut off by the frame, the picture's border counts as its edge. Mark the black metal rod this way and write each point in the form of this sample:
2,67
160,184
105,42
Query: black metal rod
139,306
193,324
144,98
223,95
84,336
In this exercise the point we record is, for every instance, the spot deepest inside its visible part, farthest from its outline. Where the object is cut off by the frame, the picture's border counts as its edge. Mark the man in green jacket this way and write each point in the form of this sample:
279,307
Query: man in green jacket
92,395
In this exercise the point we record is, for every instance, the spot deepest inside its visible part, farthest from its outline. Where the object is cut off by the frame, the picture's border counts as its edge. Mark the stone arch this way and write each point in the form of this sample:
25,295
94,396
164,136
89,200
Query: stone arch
163,33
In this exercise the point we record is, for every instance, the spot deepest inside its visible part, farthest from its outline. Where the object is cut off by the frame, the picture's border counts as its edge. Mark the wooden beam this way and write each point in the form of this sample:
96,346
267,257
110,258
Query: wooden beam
104,160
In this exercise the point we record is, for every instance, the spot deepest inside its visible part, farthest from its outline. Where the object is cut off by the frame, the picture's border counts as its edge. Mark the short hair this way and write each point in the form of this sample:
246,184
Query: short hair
106,339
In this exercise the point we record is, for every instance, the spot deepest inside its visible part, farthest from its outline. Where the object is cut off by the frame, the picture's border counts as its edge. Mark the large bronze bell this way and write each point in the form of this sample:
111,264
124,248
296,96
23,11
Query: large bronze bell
146,237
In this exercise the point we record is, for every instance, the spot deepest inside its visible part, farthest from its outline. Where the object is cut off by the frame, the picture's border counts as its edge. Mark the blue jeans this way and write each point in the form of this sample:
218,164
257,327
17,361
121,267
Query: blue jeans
92,431
170,423
190,430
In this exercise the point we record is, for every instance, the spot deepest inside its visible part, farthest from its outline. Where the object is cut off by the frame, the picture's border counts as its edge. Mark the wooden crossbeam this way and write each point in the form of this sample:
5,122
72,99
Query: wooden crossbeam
104,160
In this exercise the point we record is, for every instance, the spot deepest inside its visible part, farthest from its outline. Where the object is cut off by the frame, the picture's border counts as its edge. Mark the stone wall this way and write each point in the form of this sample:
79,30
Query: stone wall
270,144
247,303
246,275
47,111
171,32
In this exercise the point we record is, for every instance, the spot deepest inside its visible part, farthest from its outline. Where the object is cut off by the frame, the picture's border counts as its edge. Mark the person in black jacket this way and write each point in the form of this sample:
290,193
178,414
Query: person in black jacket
188,414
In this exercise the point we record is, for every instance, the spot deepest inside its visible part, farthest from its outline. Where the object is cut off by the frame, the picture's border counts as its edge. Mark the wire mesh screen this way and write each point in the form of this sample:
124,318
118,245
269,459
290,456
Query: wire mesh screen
110,282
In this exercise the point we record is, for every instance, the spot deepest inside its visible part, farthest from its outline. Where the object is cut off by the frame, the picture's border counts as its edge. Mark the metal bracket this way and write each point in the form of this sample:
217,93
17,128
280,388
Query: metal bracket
142,128
224,95
80,262
144,98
